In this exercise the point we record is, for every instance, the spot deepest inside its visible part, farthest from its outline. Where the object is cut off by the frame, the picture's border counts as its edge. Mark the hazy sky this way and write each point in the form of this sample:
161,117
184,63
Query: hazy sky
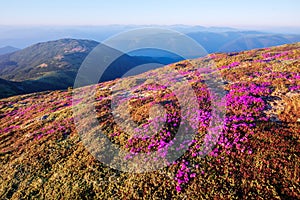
236,13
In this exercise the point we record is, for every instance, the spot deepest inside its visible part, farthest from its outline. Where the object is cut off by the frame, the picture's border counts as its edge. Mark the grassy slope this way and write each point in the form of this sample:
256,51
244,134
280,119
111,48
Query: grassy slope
41,155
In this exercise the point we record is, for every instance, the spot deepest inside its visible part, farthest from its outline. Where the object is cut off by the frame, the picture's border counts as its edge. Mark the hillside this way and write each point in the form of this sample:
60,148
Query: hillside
44,66
256,156
54,65
37,60
9,88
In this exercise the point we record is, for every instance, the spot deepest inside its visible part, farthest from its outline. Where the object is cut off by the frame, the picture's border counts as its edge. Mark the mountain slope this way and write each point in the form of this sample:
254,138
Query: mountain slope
9,88
54,65
39,59
256,156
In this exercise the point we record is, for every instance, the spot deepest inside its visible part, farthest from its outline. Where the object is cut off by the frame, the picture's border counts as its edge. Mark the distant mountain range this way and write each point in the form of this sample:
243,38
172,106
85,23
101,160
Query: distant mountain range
21,37
236,41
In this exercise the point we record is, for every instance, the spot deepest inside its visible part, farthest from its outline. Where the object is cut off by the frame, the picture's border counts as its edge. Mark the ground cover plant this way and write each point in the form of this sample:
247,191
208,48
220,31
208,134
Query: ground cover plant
256,155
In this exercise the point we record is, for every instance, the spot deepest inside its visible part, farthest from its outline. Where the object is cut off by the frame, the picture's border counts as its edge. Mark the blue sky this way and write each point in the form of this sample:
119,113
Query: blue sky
234,13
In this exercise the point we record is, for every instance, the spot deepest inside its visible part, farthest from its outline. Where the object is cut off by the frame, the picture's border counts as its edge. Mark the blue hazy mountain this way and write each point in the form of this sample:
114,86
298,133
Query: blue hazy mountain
7,49
212,38
235,41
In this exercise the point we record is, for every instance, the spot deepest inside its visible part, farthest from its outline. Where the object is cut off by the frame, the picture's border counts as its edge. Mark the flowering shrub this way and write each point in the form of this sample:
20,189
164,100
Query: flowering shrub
255,155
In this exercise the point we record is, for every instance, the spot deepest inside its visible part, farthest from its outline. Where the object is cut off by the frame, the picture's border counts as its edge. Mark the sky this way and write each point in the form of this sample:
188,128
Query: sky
233,13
